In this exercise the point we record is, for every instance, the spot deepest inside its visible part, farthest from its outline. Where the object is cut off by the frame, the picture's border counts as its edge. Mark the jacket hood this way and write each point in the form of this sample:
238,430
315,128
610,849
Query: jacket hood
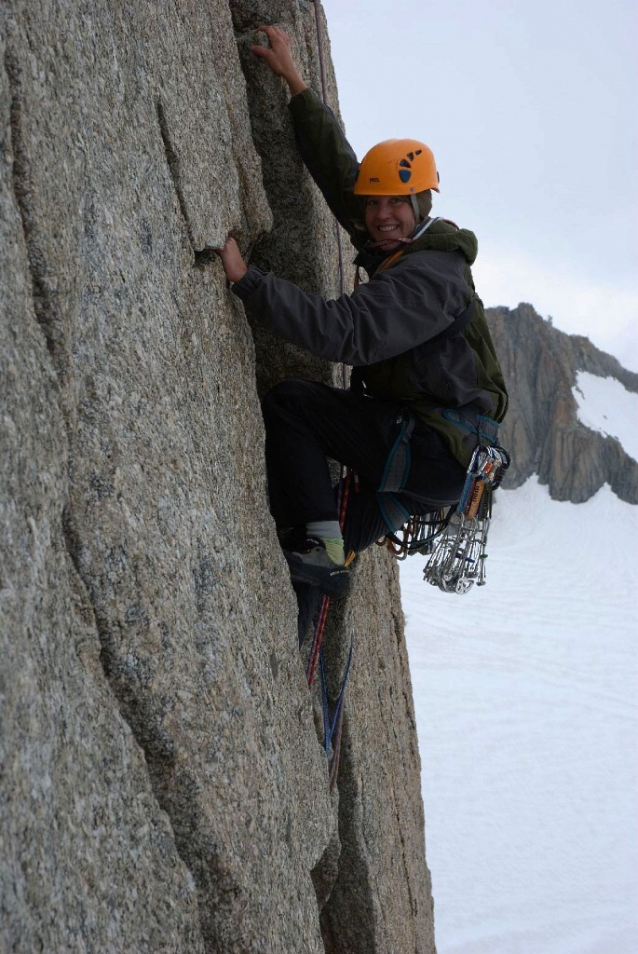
443,236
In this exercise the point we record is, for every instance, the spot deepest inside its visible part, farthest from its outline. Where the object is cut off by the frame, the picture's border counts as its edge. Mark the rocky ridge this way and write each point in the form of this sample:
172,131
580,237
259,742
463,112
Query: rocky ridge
542,430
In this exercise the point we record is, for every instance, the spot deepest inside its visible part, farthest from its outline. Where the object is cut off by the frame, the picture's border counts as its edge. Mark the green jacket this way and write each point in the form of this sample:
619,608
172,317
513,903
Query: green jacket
384,328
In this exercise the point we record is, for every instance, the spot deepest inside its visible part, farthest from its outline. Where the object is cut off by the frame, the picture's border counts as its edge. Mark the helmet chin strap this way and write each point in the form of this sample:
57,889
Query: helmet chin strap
423,227
417,233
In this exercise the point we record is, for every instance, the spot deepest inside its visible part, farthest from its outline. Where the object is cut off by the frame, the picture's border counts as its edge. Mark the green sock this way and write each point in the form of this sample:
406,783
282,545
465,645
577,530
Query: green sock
329,532
334,549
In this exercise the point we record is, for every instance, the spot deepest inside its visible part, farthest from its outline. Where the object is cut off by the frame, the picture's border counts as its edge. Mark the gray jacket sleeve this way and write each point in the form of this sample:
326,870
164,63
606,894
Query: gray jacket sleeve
398,309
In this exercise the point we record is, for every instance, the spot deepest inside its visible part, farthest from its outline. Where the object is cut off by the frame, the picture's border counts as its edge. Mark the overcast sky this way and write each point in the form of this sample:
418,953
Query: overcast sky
531,108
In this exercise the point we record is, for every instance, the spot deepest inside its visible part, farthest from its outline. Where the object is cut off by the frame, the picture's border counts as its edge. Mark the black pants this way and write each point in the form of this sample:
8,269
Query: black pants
307,422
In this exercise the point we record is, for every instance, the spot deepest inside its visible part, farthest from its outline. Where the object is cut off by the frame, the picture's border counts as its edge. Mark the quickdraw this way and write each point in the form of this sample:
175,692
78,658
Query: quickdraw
417,535
458,559
455,539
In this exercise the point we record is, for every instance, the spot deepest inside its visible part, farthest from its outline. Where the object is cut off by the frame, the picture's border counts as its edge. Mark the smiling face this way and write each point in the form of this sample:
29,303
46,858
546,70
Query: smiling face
389,218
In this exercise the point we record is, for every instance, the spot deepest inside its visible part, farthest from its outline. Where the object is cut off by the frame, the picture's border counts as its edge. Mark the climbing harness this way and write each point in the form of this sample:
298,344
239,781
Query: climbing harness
397,465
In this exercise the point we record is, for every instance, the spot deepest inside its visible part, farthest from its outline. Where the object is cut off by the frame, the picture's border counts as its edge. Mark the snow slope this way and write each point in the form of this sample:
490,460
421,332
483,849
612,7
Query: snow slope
525,693
605,405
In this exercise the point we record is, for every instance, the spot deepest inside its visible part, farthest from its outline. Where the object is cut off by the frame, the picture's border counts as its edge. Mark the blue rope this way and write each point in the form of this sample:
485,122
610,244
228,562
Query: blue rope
329,725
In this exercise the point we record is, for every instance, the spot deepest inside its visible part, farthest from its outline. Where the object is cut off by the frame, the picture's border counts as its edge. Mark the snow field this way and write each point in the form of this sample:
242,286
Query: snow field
606,406
525,693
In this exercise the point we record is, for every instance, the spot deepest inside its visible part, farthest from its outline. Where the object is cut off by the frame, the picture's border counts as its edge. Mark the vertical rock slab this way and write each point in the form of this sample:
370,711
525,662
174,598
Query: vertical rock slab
164,782
166,519
89,860
382,898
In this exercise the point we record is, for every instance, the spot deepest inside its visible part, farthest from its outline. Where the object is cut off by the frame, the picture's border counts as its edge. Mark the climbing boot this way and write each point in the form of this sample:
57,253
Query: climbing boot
309,563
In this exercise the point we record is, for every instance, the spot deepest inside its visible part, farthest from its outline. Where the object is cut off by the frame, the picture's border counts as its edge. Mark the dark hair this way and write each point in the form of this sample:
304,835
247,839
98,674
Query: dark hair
424,202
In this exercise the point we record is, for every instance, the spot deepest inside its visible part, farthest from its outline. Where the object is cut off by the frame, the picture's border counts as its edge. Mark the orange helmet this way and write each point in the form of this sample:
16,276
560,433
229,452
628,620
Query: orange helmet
397,167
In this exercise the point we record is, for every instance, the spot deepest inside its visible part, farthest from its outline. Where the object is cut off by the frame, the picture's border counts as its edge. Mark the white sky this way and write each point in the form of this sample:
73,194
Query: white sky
531,109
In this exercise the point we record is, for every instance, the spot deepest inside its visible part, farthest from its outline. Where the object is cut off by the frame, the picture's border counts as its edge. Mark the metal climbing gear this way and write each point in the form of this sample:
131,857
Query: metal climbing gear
417,535
455,538
458,558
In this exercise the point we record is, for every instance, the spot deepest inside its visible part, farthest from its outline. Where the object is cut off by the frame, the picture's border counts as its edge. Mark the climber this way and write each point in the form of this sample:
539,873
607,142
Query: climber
426,383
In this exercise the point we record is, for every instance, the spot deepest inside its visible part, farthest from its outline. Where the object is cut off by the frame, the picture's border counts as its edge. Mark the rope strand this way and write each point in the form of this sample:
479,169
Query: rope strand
332,732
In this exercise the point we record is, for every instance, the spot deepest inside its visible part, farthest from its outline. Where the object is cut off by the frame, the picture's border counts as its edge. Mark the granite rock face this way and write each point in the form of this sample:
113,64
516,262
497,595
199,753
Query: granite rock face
162,783
542,430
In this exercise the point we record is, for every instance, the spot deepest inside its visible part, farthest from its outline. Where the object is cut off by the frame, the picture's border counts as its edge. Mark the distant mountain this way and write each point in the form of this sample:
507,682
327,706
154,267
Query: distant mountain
542,430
